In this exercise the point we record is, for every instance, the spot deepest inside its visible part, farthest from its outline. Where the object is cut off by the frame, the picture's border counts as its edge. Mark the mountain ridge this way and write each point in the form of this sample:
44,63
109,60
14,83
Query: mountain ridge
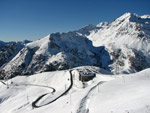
121,46
58,51
126,37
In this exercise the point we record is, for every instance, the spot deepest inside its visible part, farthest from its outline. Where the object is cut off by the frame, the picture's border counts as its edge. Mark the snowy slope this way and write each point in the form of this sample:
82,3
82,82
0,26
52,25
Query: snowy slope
105,94
24,90
127,40
128,94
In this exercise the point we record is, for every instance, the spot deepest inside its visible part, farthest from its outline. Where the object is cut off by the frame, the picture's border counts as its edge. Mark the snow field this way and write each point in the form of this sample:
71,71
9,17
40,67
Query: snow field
104,94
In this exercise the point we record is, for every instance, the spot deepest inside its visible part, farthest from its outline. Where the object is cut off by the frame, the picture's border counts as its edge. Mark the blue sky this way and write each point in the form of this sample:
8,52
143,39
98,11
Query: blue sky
34,19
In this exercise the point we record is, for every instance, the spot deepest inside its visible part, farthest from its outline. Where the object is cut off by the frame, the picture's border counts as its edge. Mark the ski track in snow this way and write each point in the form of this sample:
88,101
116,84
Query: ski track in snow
83,107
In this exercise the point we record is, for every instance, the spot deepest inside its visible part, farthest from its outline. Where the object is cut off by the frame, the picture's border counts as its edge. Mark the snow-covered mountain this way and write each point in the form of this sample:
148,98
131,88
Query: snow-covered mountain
2,44
121,46
57,51
127,39
8,51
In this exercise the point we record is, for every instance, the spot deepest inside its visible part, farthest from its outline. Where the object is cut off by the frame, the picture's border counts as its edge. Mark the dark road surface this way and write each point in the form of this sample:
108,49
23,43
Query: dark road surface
40,97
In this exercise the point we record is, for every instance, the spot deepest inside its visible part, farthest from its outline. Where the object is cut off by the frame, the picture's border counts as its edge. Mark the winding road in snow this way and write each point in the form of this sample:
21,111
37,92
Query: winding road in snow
53,90
40,97
31,85
3,83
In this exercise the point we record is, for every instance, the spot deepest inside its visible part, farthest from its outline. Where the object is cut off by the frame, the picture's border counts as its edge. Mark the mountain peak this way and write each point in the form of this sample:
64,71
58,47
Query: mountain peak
146,16
86,29
128,16
133,17
128,35
102,24
125,40
40,42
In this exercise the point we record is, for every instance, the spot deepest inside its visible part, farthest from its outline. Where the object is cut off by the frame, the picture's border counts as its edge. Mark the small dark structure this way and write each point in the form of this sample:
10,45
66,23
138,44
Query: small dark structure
84,77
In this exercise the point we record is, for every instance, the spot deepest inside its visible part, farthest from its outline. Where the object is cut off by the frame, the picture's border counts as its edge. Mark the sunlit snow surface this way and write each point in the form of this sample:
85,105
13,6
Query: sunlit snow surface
130,34
104,94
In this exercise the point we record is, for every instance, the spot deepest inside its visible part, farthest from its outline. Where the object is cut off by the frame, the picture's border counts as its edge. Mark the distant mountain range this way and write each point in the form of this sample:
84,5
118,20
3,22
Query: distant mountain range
121,46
